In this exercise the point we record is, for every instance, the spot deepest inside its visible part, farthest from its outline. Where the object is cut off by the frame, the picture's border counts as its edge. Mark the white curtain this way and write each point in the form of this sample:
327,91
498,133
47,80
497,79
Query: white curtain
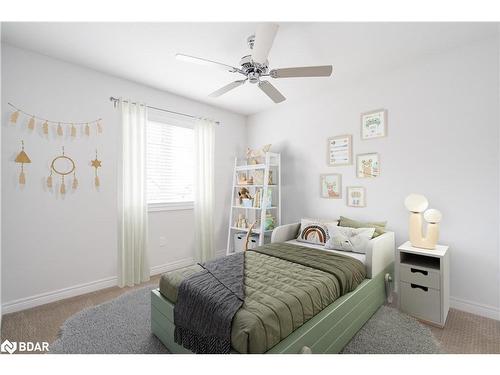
133,262
204,197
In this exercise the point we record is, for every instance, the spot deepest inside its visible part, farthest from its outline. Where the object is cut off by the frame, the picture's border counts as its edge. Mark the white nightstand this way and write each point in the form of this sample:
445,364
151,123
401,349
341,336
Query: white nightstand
424,282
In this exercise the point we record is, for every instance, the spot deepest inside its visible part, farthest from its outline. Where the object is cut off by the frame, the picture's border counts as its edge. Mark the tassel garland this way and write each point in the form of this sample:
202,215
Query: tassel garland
32,118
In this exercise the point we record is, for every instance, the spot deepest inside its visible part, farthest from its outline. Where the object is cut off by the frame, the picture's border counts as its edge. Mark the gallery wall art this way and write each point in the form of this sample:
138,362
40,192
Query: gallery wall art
374,124
331,185
368,165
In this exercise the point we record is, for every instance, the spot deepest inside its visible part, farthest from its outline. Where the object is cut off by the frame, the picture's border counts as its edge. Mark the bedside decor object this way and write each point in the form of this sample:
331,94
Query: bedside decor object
339,150
356,196
416,204
22,158
331,185
374,124
424,282
368,165
63,165
96,163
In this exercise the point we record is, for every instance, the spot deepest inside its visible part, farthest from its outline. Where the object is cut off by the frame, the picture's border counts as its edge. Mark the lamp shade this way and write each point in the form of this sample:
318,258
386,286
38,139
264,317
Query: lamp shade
416,203
433,216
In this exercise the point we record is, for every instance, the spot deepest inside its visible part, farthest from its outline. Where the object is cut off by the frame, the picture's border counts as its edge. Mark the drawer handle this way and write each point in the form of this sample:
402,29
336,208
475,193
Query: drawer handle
424,288
415,270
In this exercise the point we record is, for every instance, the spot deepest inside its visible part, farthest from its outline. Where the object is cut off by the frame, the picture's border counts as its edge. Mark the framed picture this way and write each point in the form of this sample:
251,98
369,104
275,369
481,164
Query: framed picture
331,185
374,124
356,196
368,165
339,150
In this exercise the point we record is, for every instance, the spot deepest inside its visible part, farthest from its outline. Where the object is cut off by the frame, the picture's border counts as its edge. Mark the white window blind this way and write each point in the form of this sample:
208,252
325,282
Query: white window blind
170,163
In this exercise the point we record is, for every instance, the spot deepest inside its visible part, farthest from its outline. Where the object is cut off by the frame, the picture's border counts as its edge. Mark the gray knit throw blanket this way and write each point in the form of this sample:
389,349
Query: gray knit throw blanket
206,304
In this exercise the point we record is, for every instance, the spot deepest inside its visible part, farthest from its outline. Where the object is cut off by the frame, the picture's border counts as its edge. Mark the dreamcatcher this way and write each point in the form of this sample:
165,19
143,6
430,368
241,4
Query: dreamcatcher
63,165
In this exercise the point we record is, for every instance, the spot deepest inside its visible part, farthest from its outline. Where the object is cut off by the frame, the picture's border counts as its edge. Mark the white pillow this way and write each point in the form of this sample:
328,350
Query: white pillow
314,231
349,239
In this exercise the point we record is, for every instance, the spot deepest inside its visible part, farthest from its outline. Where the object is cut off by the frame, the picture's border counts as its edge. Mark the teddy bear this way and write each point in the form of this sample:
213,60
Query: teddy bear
244,194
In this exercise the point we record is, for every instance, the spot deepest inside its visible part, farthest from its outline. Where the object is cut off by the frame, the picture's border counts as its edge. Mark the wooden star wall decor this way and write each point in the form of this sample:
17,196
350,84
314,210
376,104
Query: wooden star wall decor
96,163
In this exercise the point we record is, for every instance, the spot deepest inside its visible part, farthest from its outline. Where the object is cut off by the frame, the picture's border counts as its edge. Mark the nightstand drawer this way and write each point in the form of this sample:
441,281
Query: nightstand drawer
419,275
420,301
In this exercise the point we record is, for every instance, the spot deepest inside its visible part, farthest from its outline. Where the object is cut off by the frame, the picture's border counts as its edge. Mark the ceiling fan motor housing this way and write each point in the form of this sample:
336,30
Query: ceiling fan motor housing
252,69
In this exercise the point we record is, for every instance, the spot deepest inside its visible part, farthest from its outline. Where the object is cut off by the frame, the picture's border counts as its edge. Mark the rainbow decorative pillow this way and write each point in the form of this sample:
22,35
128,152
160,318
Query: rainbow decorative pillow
314,231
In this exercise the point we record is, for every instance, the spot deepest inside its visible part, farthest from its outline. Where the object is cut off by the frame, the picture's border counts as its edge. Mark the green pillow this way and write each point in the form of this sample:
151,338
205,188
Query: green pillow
378,225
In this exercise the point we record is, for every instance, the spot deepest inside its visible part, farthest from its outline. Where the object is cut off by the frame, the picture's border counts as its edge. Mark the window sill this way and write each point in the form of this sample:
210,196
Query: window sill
170,206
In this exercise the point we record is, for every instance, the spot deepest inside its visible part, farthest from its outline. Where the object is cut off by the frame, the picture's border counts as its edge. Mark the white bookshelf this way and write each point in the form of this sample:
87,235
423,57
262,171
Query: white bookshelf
272,164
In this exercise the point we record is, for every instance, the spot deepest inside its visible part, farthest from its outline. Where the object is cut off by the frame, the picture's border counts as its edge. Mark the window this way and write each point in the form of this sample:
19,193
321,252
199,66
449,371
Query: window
170,166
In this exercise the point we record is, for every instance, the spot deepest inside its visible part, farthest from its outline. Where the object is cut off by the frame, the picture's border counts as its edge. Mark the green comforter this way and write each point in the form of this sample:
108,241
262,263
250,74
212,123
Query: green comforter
285,285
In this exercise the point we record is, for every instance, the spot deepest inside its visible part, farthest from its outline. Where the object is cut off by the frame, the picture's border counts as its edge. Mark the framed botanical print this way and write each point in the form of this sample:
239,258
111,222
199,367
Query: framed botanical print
374,124
356,196
331,186
339,150
368,165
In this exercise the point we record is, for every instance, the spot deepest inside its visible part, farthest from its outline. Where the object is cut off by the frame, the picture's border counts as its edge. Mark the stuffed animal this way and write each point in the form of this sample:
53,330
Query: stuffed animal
244,194
256,156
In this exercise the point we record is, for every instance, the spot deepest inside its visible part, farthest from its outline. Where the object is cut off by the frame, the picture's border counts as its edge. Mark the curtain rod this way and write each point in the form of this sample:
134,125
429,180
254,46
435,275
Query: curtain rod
116,100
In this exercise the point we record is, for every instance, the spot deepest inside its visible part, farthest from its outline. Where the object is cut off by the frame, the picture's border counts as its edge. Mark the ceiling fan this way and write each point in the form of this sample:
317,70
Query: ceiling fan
255,66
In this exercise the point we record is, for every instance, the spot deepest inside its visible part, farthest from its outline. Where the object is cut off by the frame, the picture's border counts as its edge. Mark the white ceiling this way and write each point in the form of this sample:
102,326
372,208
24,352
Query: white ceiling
144,52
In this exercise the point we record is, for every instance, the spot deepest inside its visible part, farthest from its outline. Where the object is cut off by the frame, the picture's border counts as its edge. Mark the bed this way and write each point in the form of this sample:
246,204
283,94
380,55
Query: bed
325,324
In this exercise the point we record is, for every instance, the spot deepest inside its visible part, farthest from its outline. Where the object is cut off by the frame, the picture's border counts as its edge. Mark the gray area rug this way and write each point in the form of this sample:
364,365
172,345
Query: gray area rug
391,332
122,326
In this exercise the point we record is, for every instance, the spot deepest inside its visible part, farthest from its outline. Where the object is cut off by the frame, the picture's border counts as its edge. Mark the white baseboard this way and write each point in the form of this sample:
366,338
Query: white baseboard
73,291
171,266
475,308
56,295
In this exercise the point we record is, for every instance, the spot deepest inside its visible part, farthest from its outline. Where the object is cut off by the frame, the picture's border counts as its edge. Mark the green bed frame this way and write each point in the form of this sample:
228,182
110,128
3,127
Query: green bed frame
327,332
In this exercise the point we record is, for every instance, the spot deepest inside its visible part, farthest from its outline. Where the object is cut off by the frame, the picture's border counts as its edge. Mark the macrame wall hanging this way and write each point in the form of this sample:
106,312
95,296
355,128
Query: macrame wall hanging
22,158
87,127
62,165
96,163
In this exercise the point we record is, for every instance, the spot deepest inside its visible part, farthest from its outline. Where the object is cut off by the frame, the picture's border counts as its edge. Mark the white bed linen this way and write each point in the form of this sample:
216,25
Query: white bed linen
358,256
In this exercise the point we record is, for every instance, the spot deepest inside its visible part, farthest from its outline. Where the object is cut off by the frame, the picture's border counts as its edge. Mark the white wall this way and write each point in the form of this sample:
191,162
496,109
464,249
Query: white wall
55,247
443,142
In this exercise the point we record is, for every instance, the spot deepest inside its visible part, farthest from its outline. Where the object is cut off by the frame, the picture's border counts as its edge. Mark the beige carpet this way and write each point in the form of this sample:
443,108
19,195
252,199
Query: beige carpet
463,333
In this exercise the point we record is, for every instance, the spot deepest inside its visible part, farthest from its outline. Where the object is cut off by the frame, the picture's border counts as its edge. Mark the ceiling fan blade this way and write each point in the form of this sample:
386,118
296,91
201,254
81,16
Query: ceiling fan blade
201,61
302,71
227,88
264,37
271,91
